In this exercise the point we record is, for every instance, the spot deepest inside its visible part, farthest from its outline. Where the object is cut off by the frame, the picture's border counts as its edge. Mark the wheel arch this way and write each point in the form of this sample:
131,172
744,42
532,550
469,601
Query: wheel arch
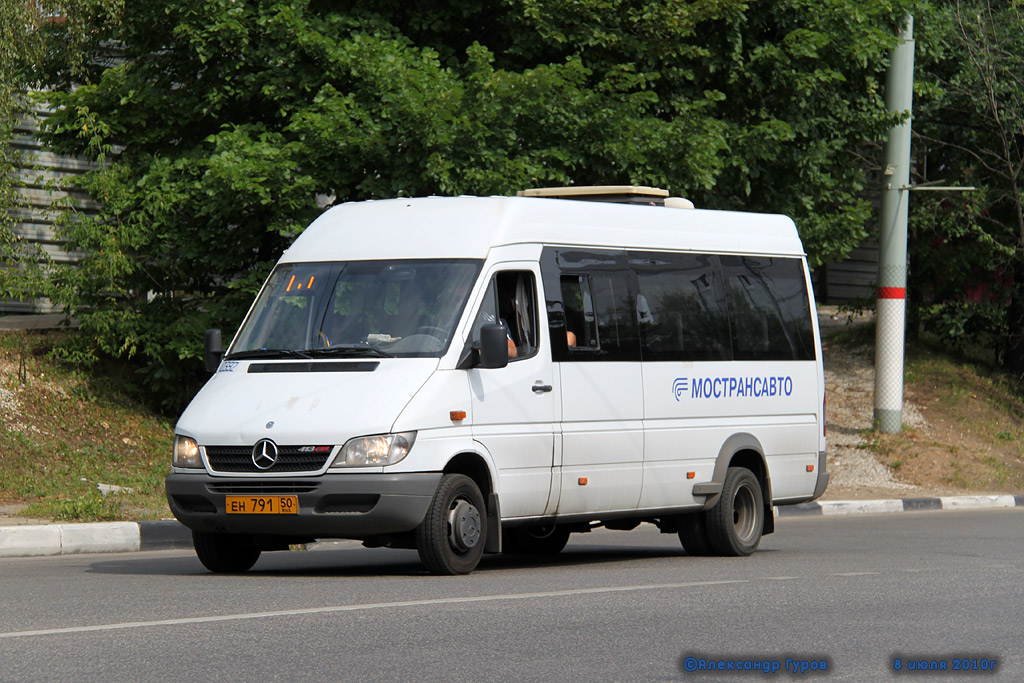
476,467
745,450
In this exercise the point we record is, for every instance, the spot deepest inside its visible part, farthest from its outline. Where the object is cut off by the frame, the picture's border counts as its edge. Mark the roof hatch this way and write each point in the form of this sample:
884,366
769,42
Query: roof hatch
616,194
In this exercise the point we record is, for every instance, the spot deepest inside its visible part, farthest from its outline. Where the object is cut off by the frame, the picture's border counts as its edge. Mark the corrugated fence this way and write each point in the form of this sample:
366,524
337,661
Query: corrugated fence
38,176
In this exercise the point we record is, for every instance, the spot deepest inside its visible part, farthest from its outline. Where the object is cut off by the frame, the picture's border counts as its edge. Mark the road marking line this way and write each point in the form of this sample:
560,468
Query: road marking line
856,573
356,608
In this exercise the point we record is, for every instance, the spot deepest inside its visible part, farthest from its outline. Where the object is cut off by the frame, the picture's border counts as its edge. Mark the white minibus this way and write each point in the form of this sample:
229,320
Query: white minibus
469,375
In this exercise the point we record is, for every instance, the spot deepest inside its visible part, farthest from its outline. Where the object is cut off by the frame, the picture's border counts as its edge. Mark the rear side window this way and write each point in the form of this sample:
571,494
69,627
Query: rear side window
769,310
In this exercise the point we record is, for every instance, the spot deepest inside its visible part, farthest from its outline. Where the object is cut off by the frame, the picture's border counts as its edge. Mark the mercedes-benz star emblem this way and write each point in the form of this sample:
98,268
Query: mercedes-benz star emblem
264,454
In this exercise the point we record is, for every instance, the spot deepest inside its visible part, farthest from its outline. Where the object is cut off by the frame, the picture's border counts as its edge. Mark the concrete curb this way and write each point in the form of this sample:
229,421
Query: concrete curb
97,537
856,507
124,537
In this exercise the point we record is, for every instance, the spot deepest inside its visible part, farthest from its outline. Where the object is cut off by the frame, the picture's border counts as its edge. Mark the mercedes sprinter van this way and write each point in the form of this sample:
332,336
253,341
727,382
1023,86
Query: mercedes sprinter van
463,375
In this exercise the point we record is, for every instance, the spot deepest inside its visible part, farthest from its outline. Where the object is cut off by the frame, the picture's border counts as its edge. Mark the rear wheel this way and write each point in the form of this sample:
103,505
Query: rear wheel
693,534
538,539
451,538
736,521
225,553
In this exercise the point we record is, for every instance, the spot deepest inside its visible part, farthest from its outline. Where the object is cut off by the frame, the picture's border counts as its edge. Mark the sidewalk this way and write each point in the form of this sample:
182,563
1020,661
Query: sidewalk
28,540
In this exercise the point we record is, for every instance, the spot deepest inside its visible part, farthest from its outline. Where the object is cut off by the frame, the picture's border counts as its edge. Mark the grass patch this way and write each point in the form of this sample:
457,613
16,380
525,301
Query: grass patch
974,414
63,433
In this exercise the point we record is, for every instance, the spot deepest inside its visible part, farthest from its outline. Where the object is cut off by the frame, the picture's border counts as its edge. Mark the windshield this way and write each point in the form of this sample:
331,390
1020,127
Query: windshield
374,308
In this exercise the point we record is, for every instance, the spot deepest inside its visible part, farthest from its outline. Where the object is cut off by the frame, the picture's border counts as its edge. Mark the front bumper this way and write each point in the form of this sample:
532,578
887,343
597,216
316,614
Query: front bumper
357,506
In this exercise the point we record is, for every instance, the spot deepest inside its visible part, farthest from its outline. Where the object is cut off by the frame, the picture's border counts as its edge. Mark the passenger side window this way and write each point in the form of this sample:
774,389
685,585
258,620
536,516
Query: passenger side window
599,321
591,304
580,320
610,305
681,307
511,301
613,308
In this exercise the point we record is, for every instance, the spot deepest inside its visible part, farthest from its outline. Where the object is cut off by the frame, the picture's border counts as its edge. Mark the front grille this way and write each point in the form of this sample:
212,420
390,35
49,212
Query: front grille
289,459
262,487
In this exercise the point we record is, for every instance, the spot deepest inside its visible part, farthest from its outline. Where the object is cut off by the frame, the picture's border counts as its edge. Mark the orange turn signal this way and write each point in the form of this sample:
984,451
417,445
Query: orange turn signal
583,481
691,475
457,415
810,468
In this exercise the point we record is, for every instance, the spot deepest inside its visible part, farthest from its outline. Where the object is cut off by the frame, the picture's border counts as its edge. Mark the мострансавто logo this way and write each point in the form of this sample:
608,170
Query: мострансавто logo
732,387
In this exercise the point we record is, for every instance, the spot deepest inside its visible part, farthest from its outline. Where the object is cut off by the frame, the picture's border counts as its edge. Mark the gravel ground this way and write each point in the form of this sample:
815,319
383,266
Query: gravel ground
850,386
8,402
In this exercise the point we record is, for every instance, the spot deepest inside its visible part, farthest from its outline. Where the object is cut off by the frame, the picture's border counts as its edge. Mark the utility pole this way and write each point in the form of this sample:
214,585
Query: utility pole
890,316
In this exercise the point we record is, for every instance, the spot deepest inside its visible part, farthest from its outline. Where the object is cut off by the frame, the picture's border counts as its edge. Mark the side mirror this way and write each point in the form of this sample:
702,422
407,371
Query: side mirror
212,350
493,347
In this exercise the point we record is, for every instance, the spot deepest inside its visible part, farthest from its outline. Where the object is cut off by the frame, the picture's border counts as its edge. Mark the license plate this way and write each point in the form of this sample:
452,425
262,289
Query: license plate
262,505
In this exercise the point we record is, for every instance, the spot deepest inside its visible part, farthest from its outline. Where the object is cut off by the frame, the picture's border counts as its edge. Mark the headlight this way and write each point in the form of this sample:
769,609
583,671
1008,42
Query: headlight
186,452
370,451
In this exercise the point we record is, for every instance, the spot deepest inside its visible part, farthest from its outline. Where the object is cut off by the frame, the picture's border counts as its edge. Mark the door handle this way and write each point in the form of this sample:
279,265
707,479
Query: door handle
541,388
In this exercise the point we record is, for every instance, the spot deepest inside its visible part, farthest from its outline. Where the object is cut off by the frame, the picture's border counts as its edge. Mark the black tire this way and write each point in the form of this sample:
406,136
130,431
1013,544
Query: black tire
693,534
451,538
225,553
736,521
537,539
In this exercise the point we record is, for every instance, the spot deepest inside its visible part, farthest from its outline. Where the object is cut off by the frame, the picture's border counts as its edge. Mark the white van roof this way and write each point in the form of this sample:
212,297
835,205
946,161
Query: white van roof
469,227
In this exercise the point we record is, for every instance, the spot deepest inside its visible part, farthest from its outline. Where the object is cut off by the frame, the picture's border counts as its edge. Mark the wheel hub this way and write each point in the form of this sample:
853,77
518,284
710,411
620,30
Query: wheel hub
744,514
464,525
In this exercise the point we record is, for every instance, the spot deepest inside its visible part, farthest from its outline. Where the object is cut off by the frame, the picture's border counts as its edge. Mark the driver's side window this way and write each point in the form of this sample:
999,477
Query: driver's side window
511,301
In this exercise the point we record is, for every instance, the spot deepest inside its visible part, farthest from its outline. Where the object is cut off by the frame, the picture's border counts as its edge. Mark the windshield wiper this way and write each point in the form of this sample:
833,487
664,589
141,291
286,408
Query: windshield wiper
349,350
267,353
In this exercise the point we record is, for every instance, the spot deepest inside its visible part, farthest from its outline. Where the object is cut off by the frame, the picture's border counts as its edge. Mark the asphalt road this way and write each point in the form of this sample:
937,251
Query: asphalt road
855,592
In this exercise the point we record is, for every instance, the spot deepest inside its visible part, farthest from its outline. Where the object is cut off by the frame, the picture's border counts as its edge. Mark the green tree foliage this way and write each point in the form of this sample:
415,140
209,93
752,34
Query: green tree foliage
223,122
799,86
968,249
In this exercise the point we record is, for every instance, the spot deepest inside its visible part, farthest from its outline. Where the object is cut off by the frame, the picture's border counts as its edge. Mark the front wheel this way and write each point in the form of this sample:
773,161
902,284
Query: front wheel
735,523
225,553
451,538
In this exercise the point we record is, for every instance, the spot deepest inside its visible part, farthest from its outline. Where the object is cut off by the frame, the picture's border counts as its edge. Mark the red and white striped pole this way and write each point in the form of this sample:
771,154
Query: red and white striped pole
890,315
